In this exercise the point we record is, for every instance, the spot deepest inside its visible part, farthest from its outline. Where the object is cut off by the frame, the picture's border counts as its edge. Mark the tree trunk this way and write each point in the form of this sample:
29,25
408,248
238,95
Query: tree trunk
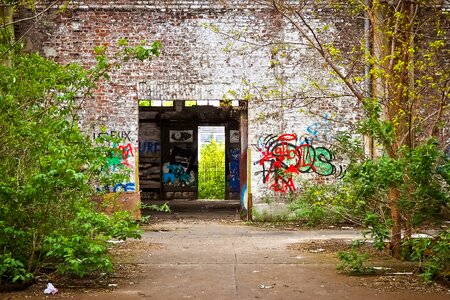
6,32
6,17
393,39
396,234
408,225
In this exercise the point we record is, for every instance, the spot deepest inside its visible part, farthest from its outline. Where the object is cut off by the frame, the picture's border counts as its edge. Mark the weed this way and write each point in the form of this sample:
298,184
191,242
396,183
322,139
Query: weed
353,261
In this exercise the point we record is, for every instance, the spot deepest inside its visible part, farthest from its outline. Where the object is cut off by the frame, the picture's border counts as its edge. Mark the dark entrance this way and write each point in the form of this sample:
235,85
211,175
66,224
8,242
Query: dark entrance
168,148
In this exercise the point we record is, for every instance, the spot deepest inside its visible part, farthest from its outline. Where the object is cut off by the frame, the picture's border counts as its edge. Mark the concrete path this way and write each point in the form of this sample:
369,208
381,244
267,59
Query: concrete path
214,260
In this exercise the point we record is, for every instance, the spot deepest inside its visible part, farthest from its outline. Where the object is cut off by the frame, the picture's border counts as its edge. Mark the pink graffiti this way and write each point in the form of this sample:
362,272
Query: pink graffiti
126,152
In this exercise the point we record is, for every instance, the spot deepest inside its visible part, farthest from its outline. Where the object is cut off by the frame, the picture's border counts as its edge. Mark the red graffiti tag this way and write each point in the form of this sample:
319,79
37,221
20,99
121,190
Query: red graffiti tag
126,152
286,155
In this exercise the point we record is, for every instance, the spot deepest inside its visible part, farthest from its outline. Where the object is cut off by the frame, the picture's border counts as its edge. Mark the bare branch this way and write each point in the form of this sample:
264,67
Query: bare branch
315,43
32,17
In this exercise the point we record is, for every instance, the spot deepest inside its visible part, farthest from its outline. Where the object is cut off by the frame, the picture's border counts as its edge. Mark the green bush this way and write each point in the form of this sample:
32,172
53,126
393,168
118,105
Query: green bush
326,204
354,261
82,247
309,213
432,253
12,270
49,172
211,181
419,176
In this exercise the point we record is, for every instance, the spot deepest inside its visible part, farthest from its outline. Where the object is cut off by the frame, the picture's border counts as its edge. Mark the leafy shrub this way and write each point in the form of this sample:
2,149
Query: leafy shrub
419,176
377,229
12,270
354,261
212,171
309,213
432,253
323,204
82,248
50,169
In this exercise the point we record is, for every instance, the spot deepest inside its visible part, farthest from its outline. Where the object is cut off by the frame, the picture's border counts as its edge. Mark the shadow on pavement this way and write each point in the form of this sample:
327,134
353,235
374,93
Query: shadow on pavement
196,209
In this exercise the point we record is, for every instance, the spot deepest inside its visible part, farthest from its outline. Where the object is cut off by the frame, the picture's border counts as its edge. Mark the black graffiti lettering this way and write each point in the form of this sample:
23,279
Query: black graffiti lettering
126,135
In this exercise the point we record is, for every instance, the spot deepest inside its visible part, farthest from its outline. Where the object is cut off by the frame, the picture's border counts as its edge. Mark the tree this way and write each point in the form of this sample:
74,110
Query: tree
7,10
406,99
396,70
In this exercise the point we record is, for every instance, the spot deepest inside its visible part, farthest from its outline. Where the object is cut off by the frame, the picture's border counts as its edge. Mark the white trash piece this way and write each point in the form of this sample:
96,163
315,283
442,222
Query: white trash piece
50,289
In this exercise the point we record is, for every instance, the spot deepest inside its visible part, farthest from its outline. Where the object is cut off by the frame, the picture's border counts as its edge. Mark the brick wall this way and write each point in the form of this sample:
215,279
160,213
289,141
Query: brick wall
301,123
199,63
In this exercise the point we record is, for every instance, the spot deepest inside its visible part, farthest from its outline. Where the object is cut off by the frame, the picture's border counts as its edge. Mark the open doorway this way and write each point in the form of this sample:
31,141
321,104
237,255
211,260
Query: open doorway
170,141
211,163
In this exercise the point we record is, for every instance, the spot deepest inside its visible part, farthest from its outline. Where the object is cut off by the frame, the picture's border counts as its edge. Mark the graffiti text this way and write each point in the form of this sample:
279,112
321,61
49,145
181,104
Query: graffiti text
286,155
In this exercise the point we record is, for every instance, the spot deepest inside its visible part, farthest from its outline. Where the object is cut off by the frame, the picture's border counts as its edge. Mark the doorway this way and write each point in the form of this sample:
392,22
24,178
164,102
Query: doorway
211,163
171,139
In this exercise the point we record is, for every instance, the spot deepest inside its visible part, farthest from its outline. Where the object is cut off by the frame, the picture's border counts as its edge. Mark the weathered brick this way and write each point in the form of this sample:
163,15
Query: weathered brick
194,65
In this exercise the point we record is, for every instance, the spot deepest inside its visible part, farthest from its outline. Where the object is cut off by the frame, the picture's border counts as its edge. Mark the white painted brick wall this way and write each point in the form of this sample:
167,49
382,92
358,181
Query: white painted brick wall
193,64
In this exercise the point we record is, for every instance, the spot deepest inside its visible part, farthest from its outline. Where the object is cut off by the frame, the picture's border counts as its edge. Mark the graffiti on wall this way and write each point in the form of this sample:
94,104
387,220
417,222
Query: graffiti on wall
234,136
179,172
317,131
125,187
233,177
181,136
149,148
124,135
120,187
120,155
175,174
287,155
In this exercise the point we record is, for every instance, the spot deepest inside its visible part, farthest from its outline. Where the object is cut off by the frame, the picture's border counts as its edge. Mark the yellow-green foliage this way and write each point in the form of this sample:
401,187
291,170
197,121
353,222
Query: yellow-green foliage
211,177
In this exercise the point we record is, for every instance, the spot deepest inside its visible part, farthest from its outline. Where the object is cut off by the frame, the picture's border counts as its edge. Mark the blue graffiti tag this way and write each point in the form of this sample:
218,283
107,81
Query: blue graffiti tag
126,187
149,147
233,176
177,174
120,187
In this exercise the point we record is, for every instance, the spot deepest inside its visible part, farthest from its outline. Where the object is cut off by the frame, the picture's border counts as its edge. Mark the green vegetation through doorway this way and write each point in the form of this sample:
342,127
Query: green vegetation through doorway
211,163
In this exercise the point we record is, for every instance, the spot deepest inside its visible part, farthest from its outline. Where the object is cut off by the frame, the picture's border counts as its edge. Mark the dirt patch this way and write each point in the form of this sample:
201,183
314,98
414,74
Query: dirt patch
389,274
124,274
128,247
296,225
411,283
335,245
